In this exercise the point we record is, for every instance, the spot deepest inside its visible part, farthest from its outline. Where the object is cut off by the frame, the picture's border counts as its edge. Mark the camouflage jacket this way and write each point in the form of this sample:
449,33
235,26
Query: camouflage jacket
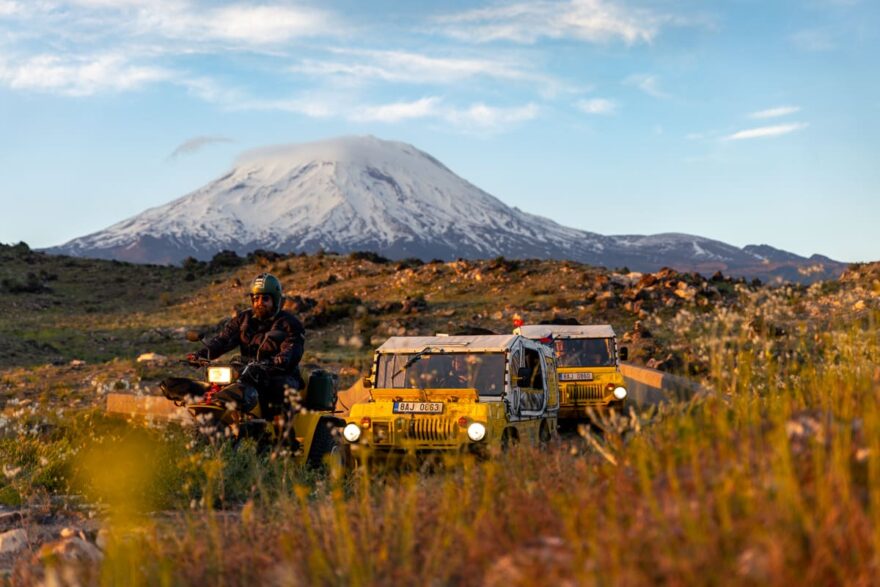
247,332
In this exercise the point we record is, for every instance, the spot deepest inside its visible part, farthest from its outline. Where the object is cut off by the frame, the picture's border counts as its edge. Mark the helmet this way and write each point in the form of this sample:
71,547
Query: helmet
266,283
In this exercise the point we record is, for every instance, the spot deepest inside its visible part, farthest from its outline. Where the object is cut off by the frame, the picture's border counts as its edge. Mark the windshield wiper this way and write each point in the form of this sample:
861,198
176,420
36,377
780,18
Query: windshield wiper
410,361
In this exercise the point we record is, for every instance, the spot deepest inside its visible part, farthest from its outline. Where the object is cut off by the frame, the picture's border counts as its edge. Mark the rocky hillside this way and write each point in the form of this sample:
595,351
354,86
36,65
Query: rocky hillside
99,316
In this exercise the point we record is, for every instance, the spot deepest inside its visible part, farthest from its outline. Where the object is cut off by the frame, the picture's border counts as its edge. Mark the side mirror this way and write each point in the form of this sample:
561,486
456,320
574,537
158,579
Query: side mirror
523,374
368,383
193,335
623,353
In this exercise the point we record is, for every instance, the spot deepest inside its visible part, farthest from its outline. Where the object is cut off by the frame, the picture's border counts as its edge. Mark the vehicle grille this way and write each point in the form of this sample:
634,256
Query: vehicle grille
429,429
382,432
580,392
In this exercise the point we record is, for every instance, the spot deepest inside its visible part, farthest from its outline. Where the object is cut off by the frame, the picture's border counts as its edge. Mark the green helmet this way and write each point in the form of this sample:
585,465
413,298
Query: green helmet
266,283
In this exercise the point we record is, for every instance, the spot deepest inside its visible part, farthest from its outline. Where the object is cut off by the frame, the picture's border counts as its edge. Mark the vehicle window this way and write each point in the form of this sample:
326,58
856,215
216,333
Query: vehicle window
533,394
483,371
585,352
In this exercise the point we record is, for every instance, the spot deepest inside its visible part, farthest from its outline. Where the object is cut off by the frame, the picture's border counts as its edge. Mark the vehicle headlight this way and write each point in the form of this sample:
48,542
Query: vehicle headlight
620,392
220,374
476,431
351,432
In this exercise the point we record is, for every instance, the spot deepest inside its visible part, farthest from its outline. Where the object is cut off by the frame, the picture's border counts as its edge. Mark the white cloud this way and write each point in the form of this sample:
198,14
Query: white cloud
10,8
311,106
79,76
597,21
490,118
597,106
766,131
188,22
262,24
407,67
196,143
397,111
775,112
477,117
649,84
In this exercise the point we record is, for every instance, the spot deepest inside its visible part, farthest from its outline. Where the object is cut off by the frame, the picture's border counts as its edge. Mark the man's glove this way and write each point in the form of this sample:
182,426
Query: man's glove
196,357
280,361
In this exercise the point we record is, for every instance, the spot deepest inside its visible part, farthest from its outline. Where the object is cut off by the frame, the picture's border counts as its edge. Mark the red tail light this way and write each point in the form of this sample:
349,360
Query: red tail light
365,422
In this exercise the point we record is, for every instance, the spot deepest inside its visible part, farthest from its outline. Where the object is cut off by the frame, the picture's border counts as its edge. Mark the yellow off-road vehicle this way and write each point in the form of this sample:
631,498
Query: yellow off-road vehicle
589,369
452,395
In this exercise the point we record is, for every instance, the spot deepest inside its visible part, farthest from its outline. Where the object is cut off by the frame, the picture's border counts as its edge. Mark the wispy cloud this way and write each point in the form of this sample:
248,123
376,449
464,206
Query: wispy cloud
240,23
596,21
10,7
196,143
408,67
597,106
766,131
478,117
79,76
397,111
775,112
489,118
649,84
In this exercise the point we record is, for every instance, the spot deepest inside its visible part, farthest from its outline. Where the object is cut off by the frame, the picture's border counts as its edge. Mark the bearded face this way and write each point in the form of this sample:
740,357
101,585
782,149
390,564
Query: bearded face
264,306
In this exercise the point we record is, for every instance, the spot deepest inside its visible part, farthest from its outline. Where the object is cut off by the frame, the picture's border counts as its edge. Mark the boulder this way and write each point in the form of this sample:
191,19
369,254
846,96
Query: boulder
13,541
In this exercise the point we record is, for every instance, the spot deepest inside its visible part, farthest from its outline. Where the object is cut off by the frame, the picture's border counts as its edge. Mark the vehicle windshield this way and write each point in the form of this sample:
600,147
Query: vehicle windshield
482,371
585,352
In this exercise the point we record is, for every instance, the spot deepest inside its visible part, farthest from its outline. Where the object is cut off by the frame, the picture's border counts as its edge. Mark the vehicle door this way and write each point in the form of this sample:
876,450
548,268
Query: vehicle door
533,391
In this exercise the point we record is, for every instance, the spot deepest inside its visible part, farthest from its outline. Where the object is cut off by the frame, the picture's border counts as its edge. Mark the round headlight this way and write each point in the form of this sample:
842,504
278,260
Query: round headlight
351,432
620,392
476,431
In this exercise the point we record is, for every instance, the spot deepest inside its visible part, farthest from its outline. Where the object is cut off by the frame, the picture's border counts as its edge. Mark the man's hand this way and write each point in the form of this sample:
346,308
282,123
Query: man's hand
194,358
280,361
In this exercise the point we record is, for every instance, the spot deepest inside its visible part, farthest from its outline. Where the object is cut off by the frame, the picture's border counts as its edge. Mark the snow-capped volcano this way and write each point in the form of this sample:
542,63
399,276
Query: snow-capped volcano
352,193
363,193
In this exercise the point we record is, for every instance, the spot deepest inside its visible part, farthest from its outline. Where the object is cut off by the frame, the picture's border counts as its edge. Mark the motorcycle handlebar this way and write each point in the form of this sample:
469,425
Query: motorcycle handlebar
239,364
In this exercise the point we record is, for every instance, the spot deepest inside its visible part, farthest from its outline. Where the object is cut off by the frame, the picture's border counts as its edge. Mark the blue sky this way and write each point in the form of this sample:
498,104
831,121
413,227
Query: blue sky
744,121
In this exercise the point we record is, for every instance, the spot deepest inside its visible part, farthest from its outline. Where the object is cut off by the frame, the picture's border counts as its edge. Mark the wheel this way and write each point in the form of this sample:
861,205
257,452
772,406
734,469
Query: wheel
509,439
544,434
327,447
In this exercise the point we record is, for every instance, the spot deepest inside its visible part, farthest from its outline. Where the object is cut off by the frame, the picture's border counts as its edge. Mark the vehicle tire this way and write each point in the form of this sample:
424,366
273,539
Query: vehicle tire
327,444
544,434
509,439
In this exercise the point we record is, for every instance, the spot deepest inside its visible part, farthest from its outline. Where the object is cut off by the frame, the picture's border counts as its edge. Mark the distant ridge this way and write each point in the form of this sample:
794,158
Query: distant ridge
364,193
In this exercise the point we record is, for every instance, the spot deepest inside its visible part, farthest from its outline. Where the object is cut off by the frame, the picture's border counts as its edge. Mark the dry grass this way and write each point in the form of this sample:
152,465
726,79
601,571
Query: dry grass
772,479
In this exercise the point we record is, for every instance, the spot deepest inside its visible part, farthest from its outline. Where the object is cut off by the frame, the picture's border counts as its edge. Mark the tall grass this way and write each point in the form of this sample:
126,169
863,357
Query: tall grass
774,478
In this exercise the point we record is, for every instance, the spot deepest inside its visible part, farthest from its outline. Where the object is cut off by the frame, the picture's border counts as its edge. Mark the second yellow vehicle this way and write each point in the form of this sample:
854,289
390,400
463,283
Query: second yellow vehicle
453,395
589,369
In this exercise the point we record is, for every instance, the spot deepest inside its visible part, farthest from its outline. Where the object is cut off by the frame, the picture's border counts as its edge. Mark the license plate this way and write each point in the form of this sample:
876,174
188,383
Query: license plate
575,376
418,408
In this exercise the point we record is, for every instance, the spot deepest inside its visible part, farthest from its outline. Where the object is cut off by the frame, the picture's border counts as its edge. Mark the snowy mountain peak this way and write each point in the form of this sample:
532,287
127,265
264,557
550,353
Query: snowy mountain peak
343,194
364,193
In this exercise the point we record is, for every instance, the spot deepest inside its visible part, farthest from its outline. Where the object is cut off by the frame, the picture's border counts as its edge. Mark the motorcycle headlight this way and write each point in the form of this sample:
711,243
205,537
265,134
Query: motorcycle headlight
220,375
351,432
476,431
620,392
